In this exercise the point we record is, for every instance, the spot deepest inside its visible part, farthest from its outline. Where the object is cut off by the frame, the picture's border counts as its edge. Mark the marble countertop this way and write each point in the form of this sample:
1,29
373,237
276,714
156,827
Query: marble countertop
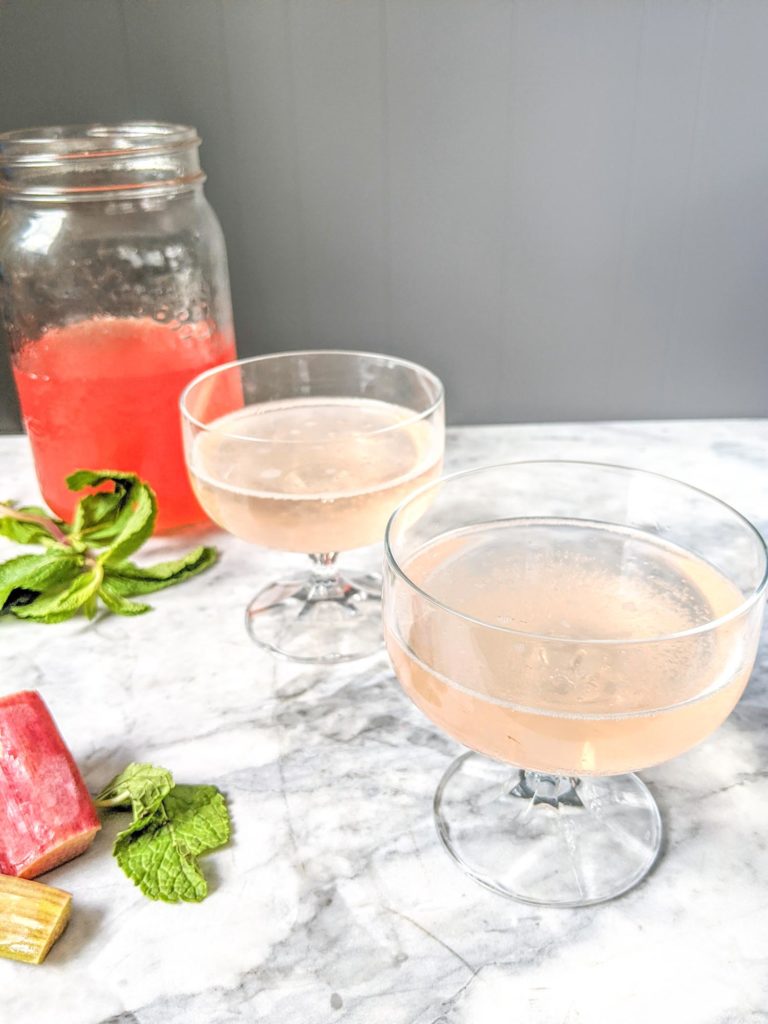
335,901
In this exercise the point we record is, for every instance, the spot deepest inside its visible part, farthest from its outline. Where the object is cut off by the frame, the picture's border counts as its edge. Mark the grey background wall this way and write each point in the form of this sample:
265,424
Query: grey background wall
559,205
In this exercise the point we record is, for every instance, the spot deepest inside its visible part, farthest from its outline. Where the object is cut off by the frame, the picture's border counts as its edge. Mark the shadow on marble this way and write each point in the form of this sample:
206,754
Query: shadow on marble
83,928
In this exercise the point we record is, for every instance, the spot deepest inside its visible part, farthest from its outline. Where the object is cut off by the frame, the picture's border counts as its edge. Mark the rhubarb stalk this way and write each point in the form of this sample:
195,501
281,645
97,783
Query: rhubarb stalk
47,815
32,917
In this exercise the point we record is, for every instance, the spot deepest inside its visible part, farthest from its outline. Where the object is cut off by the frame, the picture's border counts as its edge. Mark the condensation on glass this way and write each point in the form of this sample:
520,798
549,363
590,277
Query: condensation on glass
114,293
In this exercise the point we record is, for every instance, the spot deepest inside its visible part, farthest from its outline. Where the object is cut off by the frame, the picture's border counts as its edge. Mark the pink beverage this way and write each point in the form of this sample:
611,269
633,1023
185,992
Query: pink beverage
495,680
312,475
103,394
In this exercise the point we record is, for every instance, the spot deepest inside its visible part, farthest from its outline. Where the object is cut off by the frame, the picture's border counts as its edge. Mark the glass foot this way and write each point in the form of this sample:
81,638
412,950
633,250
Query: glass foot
318,620
546,839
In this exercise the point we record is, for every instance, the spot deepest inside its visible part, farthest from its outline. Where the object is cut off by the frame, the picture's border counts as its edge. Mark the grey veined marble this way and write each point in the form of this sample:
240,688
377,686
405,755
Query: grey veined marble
335,902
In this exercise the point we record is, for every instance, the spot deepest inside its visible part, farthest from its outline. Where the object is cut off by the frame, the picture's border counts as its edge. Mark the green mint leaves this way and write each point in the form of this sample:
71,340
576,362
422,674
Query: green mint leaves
141,788
172,826
86,562
161,857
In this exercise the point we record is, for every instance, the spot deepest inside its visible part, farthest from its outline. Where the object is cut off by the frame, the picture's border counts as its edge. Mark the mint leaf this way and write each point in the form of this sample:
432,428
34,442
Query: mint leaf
118,604
95,514
29,525
22,579
172,826
136,528
72,577
124,520
59,605
141,788
161,867
161,858
130,580
199,817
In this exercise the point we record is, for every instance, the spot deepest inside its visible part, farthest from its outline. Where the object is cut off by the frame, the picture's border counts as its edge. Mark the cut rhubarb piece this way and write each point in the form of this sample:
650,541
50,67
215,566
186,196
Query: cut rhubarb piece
47,815
32,917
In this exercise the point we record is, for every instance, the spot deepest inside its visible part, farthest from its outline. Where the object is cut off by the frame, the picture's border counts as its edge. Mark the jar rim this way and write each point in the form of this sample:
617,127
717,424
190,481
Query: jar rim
84,162
53,145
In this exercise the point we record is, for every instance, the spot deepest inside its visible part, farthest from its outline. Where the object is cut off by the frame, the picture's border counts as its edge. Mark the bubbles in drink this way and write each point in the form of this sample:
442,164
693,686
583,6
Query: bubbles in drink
313,474
556,660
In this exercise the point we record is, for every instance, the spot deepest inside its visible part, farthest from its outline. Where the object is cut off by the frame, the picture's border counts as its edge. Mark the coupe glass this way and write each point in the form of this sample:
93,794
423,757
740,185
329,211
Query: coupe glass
572,623
310,452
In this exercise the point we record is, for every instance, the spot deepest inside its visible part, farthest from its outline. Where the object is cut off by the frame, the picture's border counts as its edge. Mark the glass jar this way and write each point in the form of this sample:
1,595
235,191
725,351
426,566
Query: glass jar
114,294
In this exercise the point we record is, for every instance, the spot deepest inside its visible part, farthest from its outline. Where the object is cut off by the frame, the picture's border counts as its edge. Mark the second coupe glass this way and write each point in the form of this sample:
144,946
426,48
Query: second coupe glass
573,623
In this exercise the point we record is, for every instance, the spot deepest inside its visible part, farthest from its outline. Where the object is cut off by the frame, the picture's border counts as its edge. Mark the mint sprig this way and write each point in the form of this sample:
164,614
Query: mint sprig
172,826
86,562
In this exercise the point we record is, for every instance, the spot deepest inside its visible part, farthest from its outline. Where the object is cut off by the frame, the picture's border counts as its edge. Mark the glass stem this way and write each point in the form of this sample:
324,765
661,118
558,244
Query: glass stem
545,788
324,567
326,583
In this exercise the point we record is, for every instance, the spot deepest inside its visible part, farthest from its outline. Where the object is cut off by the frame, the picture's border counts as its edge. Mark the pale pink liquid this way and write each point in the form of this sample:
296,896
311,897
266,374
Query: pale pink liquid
314,475
565,706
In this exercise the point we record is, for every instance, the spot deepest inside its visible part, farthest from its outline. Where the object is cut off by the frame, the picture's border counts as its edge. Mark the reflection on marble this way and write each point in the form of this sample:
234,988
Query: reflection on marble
335,901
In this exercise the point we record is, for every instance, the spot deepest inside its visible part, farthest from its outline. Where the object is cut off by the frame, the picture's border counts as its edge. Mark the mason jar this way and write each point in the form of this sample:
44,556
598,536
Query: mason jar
114,294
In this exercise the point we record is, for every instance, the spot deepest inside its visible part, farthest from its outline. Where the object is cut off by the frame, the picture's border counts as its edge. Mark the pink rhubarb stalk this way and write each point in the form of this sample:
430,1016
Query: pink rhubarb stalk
47,815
